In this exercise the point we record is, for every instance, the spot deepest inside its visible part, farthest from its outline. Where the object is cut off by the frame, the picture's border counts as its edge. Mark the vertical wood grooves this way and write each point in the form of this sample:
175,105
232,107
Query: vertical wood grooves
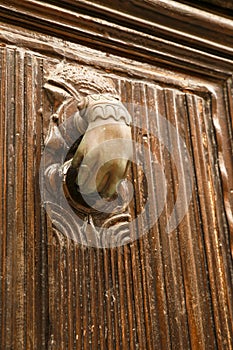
136,262
206,326
4,158
159,292
93,300
210,227
139,272
10,272
41,253
108,326
77,297
101,301
161,295
124,321
197,298
126,96
144,243
223,133
173,276
20,271
20,133
175,292
197,337
29,171
159,305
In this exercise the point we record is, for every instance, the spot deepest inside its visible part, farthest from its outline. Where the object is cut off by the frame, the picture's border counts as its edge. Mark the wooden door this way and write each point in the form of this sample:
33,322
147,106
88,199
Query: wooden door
163,290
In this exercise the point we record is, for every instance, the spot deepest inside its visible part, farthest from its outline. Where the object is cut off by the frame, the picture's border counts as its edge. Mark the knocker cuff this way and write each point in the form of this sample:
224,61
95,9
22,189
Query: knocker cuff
99,107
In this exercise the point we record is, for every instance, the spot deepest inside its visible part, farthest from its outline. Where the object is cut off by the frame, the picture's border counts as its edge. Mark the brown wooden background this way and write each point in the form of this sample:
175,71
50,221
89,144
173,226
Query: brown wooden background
162,291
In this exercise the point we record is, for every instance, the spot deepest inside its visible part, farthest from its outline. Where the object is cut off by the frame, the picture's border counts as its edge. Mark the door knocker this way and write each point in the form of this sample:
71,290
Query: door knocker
87,156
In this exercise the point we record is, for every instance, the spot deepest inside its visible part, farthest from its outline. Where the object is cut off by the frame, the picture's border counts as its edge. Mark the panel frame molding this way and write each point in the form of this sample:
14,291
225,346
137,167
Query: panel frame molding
170,37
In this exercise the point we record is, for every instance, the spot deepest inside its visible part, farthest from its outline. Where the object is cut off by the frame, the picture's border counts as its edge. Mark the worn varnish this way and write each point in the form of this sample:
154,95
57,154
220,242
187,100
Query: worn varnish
160,292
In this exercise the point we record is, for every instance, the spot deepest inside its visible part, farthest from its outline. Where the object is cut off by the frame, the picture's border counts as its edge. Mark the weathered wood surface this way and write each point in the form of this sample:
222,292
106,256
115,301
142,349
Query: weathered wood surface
161,291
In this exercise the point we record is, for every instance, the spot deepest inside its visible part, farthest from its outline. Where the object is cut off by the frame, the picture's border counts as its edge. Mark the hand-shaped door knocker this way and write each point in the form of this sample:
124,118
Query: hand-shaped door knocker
106,119
87,156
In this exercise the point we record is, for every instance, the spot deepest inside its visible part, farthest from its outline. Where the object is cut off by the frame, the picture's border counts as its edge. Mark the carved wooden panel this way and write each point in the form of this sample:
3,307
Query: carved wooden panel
160,291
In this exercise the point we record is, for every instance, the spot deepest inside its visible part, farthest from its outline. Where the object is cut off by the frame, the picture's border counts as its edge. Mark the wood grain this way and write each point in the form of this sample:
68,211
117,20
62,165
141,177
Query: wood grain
161,291
23,288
